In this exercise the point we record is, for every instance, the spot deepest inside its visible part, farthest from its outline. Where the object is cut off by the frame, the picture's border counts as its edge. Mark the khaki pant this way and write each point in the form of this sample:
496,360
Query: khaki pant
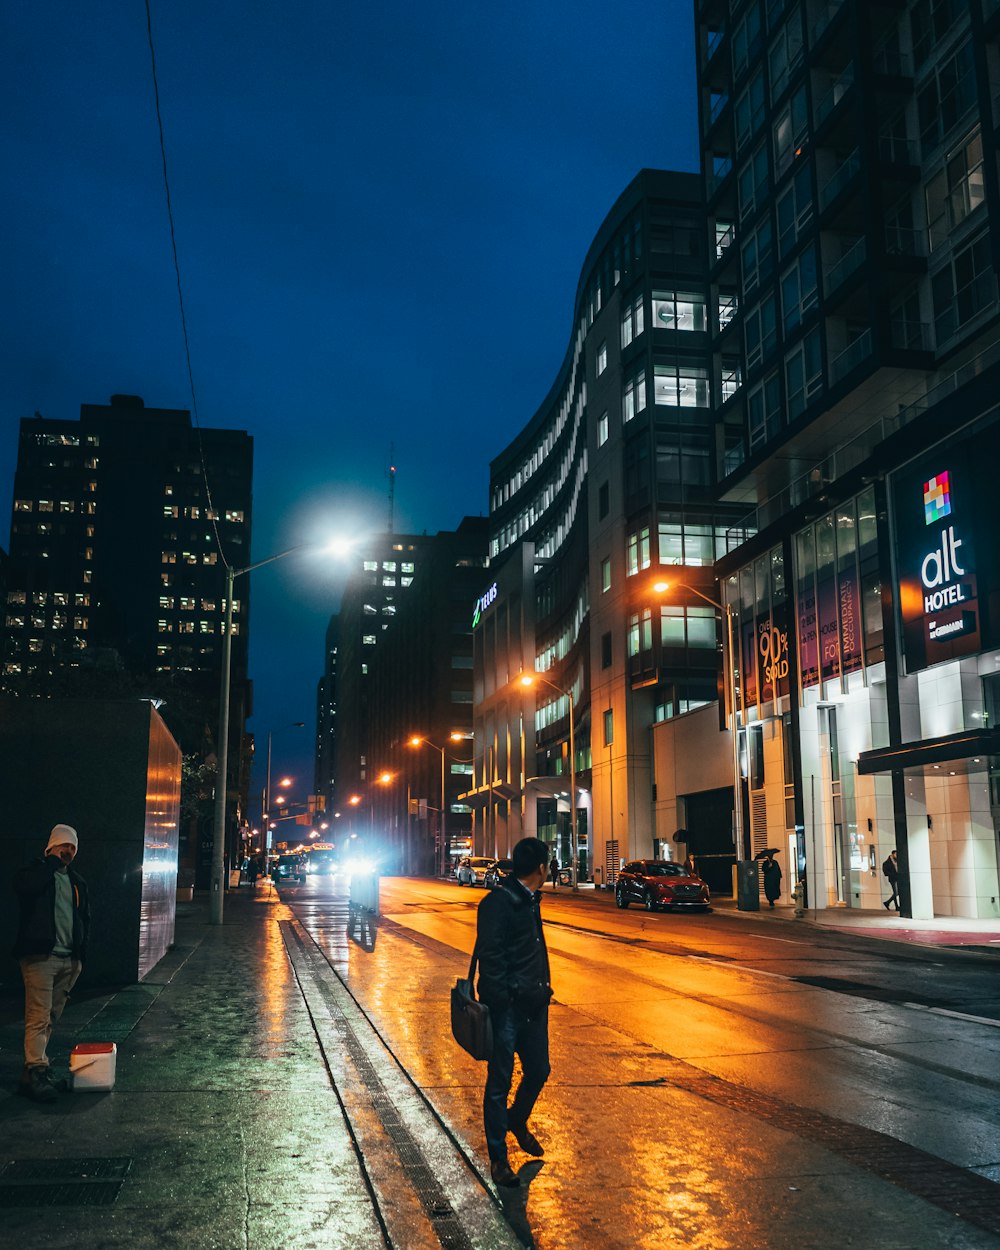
47,983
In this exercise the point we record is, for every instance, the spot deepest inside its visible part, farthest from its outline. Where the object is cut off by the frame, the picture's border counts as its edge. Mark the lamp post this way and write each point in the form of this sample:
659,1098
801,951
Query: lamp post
417,741
529,680
217,882
266,815
727,608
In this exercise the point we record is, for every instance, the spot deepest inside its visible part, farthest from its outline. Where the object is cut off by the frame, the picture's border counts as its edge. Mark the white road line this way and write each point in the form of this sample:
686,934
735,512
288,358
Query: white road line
954,1015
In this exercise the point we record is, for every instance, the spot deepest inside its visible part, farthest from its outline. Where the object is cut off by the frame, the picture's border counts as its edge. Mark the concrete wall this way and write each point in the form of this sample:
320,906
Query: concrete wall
110,769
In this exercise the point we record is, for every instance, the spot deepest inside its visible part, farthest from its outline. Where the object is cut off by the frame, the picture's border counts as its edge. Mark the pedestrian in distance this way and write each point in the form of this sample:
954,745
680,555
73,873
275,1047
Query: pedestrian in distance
771,871
554,871
253,869
514,984
891,870
53,923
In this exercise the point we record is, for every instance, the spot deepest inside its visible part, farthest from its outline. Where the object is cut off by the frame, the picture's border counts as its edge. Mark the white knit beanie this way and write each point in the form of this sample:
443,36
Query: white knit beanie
61,835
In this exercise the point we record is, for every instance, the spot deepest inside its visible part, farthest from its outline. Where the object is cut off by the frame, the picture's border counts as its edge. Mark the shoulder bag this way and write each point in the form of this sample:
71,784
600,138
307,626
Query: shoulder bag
470,1019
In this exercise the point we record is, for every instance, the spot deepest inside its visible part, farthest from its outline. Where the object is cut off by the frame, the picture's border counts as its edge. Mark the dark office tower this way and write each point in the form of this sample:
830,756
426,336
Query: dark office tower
116,577
385,569
850,168
326,718
421,687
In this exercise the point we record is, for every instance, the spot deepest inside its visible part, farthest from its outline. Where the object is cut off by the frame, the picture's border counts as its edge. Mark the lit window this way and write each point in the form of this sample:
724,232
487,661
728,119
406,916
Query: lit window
602,358
187,603
206,627
370,566
171,510
368,640
185,627
189,557
168,557
405,581
633,321
682,386
387,580
679,310
17,596
407,567
164,627
81,600
23,505
208,605
168,489
67,505
635,396
166,602
606,574
602,429
80,622
389,566
609,727
234,514
637,552
210,557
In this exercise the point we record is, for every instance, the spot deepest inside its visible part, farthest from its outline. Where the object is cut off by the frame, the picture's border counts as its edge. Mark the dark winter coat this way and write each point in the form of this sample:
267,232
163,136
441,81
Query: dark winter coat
513,961
772,880
36,897
891,870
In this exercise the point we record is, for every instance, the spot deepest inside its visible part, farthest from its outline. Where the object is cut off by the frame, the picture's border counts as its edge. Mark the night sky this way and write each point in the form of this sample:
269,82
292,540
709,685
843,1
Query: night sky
381,214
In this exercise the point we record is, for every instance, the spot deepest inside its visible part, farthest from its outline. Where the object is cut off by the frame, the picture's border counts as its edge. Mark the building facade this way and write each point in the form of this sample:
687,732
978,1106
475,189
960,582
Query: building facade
849,165
116,577
614,477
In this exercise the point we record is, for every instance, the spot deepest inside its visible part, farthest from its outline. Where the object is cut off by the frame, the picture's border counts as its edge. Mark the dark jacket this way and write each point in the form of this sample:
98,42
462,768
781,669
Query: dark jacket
513,961
772,880
36,897
891,870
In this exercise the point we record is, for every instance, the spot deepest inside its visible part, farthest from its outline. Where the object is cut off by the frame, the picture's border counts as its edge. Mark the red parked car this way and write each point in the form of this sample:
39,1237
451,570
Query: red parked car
657,883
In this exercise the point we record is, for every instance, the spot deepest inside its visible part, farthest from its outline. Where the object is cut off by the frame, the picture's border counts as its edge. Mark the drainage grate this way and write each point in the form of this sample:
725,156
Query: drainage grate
62,1182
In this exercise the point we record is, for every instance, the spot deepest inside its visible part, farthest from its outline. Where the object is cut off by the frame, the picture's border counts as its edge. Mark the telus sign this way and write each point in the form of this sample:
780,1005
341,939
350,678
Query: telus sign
482,603
936,507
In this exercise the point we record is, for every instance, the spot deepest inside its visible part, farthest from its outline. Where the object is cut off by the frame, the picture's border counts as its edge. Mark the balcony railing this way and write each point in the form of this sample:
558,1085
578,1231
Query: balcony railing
898,151
824,17
851,357
836,93
902,241
847,170
911,336
850,455
851,260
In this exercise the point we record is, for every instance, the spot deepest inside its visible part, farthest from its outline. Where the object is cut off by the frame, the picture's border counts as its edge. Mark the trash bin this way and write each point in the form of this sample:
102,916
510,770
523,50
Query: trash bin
747,885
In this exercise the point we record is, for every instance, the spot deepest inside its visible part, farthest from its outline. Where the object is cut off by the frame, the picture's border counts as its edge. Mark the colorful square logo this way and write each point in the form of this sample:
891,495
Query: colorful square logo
937,498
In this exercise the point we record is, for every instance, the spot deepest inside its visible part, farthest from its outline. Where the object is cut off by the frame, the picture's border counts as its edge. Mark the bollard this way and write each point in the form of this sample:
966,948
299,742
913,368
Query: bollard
798,898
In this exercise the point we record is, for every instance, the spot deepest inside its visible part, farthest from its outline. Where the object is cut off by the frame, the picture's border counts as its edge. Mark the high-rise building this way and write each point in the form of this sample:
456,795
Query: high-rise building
612,478
849,165
421,688
326,718
116,576
386,567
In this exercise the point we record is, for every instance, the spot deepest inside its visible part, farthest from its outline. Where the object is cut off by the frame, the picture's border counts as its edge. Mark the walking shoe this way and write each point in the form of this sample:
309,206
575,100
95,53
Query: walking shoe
503,1174
526,1139
36,1084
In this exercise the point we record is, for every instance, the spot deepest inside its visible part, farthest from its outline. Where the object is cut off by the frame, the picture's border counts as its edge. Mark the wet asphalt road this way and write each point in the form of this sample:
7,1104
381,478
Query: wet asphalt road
715,1083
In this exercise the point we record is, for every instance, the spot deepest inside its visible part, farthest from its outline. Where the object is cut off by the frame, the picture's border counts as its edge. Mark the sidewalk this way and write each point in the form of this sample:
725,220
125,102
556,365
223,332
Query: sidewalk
228,1120
941,931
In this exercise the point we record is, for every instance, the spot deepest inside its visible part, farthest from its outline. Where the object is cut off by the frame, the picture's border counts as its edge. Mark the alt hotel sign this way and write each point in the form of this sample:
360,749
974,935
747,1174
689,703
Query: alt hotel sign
945,514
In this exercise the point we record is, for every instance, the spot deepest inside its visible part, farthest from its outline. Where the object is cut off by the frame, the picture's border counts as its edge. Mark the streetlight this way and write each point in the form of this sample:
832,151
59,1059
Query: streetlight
217,880
295,724
417,741
727,608
529,680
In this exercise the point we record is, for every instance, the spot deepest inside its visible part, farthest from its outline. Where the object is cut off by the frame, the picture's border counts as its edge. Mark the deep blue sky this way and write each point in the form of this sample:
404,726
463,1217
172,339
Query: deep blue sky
381,210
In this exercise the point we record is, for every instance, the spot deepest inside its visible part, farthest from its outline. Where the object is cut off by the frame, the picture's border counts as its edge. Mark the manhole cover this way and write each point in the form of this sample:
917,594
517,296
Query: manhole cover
62,1182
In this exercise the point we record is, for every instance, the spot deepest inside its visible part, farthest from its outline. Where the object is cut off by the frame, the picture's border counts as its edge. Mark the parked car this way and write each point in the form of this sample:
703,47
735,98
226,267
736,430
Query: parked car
496,872
657,883
473,869
290,868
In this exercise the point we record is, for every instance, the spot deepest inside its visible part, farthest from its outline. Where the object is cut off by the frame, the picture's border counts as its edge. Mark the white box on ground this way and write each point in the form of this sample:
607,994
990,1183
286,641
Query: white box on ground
92,1066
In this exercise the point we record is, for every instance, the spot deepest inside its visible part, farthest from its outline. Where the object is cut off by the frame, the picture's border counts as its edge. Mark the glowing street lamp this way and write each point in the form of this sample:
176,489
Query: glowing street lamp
661,588
529,679
217,880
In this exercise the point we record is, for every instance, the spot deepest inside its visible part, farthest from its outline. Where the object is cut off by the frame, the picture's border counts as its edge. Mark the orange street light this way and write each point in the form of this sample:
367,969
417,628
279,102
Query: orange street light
354,800
285,782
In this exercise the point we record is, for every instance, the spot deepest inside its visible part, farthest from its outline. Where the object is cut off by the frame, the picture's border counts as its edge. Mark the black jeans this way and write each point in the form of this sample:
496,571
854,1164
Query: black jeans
514,1032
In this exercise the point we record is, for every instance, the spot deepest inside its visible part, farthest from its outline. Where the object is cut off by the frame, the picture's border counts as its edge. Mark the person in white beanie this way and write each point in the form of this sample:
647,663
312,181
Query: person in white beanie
52,930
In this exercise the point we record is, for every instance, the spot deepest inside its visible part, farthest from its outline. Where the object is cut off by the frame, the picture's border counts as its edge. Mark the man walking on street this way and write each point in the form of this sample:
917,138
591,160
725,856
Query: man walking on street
51,941
514,984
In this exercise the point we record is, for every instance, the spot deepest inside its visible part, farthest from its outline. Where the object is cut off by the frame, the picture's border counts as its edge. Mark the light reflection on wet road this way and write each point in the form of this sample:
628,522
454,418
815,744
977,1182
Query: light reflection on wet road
700,1095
